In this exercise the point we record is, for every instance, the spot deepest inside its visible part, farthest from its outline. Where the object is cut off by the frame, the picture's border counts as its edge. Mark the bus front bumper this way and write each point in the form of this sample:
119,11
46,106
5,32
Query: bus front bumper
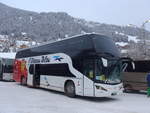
105,90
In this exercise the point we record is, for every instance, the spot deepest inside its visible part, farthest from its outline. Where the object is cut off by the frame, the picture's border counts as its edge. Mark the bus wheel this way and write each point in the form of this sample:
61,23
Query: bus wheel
23,81
70,89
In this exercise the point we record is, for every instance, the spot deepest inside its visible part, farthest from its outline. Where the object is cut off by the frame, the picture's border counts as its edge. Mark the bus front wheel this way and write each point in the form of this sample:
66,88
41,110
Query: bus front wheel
70,89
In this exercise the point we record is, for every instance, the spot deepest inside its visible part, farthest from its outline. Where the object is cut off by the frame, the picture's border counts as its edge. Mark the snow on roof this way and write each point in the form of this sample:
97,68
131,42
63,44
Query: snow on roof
133,38
124,51
121,43
116,32
22,42
8,55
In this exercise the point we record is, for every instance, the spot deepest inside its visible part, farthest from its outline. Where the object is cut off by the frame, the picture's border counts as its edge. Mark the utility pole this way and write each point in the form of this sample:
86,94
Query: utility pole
144,36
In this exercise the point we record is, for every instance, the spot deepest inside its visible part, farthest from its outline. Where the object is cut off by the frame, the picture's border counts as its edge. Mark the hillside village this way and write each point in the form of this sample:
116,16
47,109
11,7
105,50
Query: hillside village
12,45
131,48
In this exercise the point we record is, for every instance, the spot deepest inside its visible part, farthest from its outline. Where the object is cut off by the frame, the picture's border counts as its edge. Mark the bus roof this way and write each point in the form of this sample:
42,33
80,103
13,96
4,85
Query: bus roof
49,42
74,47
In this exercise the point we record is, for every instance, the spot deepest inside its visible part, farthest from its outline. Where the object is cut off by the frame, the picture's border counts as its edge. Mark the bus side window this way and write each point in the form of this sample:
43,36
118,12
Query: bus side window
31,69
89,68
91,73
99,70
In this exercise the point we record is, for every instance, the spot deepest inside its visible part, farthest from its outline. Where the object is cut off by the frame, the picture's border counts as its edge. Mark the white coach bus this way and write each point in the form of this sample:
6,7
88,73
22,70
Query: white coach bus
6,66
85,65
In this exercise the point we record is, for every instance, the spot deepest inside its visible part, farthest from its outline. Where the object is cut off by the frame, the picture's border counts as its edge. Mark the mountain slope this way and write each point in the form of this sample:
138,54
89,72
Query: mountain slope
40,27
51,25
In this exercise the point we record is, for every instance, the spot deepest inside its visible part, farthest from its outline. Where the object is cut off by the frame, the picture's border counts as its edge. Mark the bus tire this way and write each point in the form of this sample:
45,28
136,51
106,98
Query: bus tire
70,89
23,81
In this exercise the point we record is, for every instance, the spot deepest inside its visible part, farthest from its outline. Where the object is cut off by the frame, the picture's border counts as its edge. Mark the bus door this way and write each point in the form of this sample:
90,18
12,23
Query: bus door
36,75
88,78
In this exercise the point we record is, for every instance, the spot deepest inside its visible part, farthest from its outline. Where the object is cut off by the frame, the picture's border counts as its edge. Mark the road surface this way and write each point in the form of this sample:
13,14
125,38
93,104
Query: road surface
15,98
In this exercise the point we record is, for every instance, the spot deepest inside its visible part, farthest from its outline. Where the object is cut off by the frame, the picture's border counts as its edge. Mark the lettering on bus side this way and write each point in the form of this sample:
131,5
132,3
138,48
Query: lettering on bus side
34,60
45,59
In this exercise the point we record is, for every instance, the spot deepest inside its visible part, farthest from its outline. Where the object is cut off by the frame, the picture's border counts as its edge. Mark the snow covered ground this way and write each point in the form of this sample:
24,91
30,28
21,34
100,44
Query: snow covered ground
19,99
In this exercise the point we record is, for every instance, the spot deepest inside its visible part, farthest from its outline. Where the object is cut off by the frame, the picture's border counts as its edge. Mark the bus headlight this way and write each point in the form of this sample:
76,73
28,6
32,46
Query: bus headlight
101,88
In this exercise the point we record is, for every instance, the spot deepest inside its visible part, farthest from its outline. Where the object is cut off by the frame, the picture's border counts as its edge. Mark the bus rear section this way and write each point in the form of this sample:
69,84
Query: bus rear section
20,71
6,69
135,80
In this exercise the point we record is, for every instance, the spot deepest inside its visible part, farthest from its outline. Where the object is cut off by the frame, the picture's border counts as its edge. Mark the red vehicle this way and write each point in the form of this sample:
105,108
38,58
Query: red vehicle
20,72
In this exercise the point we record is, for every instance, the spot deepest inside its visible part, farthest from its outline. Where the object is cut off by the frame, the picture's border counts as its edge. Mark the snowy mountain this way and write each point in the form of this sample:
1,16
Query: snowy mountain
17,24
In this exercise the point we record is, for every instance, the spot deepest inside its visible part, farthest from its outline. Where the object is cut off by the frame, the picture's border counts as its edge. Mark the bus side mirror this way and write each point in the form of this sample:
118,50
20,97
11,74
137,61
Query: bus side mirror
105,62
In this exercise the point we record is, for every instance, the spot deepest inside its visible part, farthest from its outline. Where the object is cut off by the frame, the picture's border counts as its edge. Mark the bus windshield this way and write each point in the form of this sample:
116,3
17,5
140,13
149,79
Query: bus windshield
108,71
8,66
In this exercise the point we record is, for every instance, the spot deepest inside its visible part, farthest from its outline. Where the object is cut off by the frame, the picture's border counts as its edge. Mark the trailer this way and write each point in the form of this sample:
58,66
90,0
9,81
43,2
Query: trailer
135,80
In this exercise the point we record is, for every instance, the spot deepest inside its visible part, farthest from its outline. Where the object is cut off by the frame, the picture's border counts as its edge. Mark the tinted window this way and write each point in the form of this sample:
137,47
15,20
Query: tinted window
104,45
31,69
89,68
140,66
8,69
76,47
78,64
53,70
8,65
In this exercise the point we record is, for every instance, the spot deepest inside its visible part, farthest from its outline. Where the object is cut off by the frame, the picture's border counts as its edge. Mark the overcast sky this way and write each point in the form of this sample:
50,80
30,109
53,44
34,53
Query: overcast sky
119,12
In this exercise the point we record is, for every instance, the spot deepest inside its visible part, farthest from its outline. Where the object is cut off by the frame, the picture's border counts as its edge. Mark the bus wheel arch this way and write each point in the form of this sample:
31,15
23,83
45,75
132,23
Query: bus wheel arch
69,88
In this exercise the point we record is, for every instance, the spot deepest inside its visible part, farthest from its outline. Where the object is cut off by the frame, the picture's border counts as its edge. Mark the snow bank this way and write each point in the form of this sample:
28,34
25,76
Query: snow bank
116,32
133,38
130,38
121,43
124,51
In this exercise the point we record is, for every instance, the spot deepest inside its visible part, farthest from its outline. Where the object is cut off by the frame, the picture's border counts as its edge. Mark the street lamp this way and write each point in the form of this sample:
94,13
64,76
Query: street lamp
144,38
147,21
